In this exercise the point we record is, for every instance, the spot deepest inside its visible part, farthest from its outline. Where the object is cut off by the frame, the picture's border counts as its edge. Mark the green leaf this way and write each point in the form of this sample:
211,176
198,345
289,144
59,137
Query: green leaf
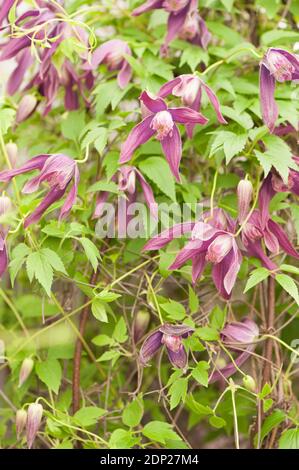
7,117
158,431
256,276
175,310
88,416
157,170
289,439
234,143
72,126
289,285
120,331
102,340
98,310
243,119
217,422
39,267
19,255
178,392
278,36
91,251
54,260
50,373
289,268
121,439
217,317
108,296
271,422
133,412
207,333
277,154
193,301
200,373
109,186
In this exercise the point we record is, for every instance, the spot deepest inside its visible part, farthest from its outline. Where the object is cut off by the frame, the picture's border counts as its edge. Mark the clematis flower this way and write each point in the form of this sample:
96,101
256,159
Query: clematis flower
184,20
212,240
238,337
126,177
5,9
277,65
57,170
260,227
171,336
161,122
5,207
112,54
244,196
273,183
189,88
34,417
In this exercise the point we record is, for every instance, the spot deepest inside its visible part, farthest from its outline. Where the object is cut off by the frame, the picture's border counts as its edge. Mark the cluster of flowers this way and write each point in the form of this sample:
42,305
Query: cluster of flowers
216,238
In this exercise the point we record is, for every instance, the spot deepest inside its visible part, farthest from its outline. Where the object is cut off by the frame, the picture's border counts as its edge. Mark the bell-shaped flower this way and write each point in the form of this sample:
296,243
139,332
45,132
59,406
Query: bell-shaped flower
5,207
58,171
189,88
171,337
112,53
183,20
244,196
239,337
126,177
161,122
34,417
277,65
212,240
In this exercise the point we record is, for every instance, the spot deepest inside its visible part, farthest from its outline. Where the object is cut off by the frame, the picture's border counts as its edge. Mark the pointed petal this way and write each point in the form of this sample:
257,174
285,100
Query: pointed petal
230,369
24,62
148,195
3,258
271,241
172,148
71,198
192,248
150,346
282,238
198,265
176,330
178,359
269,108
53,195
187,116
149,5
138,136
167,235
234,260
124,75
35,163
175,23
167,88
215,103
153,103
255,249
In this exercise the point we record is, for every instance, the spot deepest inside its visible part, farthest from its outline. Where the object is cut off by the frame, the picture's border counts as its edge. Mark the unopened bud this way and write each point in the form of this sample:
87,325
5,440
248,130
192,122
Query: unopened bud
21,419
26,107
12,152
35,413
249,383
244,193
25,371
141,324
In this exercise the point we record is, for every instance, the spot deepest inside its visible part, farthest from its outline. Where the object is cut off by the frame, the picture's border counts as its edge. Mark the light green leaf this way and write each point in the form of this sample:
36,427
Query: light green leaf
39,267
207,333
91,251
120,331
289,285
133,412
159,431
289,439
178,392
72,126
200,373
157,170
88,415
256,276
98,310
50,373
193,301
175,310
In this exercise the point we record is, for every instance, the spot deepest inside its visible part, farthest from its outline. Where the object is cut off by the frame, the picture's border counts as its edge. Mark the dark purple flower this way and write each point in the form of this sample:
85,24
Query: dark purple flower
112,53
5,207
212,240
171,336
161,122
277,65
189,88
184,20
238,337
57,170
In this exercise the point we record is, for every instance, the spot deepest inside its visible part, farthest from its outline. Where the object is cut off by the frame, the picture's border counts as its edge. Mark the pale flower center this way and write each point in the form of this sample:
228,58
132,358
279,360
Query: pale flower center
190,28
127,182
280,67
187,90
174,5
174,343
219,248
114,59
162,123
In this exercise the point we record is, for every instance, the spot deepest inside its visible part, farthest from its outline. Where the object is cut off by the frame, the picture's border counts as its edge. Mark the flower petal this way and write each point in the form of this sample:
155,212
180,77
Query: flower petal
175,23
148,195
150,346
191,249
23,63
187,116
167,235
172,148
149,5
167,88
178,359
153,103
269,108
138,136
71,198
124,75
35,163
176,330
215,103
53,195
3,257
198,265
282,238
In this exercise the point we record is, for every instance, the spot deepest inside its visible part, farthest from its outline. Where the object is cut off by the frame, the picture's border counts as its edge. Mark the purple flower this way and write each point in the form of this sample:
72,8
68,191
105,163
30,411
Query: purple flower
5,9
189,88
34,417
273,183
171,336
244,196
260,227
277,65
184,20
126,177
161,122
212,240
238,337
57,170
112,54
5,207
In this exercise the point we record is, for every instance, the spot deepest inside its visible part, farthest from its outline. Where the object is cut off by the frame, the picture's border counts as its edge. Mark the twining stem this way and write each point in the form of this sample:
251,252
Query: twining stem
78,350
270,327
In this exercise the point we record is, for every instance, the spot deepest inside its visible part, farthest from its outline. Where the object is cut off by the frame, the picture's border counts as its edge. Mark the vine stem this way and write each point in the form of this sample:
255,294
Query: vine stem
270,327
78,350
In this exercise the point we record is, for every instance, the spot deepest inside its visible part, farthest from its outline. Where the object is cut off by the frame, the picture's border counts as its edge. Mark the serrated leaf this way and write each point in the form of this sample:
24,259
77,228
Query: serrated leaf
177,392
207,333
88,415
193,301
200,373
50,373
255,277
159,431
233,144
277,154
133,412
38,267
72,126
175,310
289,285
289,439
54,260
108,186
157,170
120,331
91,251
98,310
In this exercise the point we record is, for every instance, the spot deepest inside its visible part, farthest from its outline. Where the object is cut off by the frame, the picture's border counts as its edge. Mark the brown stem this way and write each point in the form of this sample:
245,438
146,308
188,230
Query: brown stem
78,350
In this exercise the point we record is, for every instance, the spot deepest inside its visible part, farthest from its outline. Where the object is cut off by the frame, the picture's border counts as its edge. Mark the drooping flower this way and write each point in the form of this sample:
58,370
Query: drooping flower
126,177
212,240
183,20
5,207
161,122
261,227
141,323
26,369
34,417
112,53
238,337
57,170
21,420
277,65
171,336
26,107
273,183
244,196
189,88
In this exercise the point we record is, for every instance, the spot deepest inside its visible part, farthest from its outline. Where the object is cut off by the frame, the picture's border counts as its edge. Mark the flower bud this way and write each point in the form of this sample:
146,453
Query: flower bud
244,193
35,412
140,325
21,419
26,107
12,152
25,371
249,383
